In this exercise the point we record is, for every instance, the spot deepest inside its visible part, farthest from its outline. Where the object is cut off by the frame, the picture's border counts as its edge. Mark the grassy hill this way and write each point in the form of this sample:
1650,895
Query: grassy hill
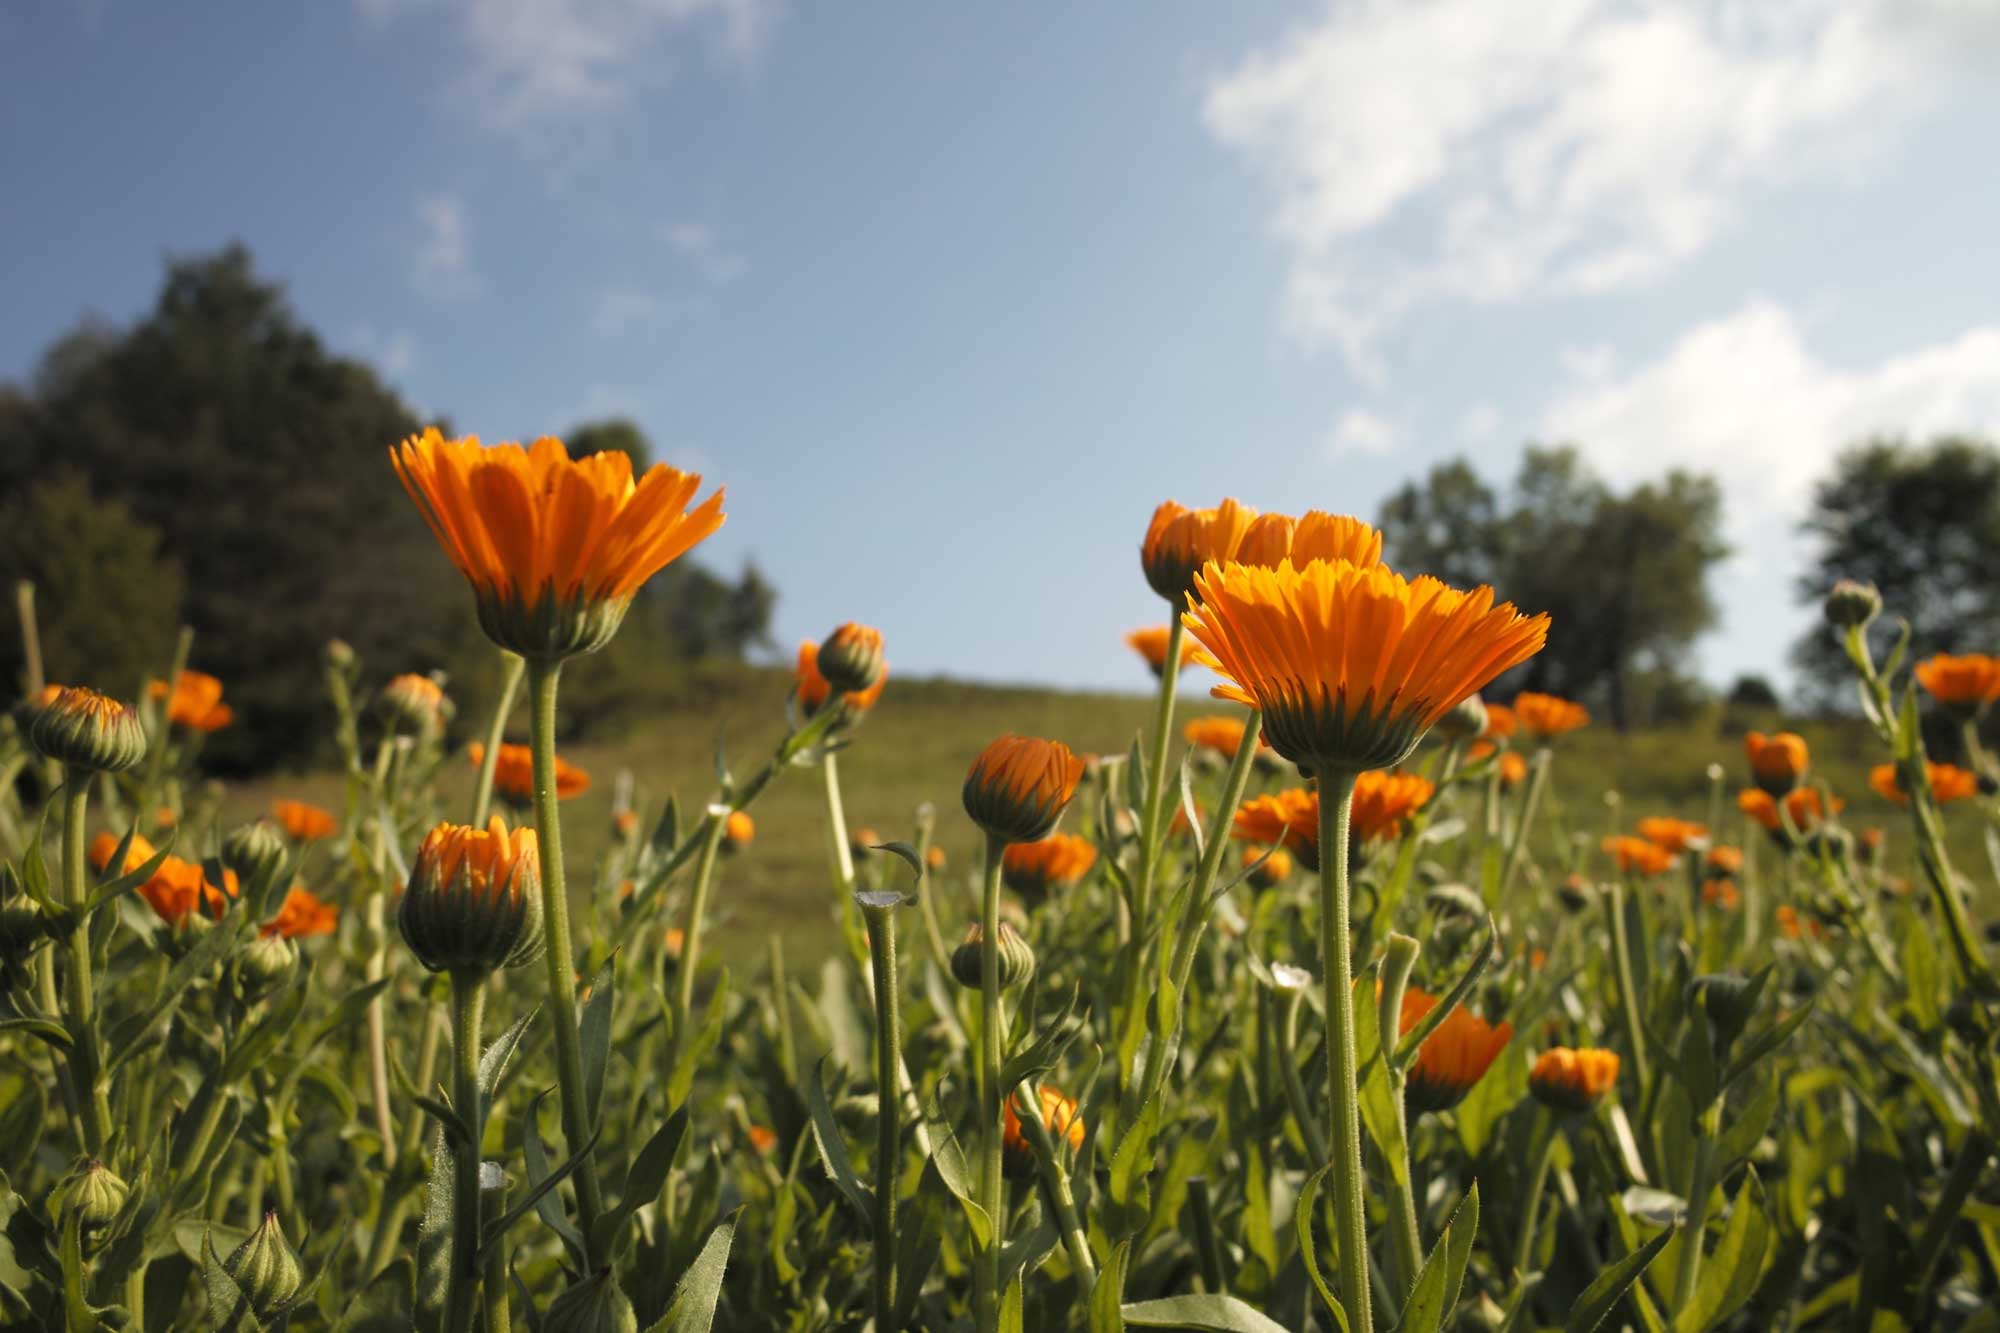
916,746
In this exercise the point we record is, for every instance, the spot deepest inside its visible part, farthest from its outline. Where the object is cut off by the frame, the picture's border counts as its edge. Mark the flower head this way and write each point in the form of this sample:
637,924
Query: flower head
738,830
1675,835
1793,926
1573,1080
1637,856
812,689
194,702
1058,1116
82,729
554,547
1803,805
302,915
1224,735
1014,955
1501,722
1546,715
1287,819
1966,685
105,846
514,773
303,822
1351,664
1019,786
1723,860
1454,1057
1150,642
1720,892
179,889
1317,535
1267,871
414,701
1179,541
1777,763
1948,783
1059,861
1511,767
475,898
850,659
1382,801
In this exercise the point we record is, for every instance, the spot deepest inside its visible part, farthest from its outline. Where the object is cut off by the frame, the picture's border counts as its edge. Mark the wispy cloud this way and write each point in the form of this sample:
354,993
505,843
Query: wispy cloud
700,247
443,258
1361,432
1423,154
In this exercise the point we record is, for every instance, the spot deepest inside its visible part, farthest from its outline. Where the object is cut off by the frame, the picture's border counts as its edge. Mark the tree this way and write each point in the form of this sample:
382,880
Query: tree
1624,577
1922,524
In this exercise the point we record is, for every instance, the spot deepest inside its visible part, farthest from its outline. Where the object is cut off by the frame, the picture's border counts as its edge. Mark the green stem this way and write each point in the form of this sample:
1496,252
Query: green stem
1628,997
1538,1183
489,760
1973,1157
704,878
377,966
1295,1088
1062,1202
781,1011
93,1098
1206,1248
560,959
1156,775
888,1129
1538,776
163,726
1342,1086
1701,1184
987,1292
468,1007
836,825
1405,1237
496,1287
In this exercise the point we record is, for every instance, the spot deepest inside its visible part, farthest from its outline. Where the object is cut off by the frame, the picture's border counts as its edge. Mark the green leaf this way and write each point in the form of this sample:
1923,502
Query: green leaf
1221,1314
493,1062
693,1310
949,1160
128,1040
1731,1273
833,1149
706,1037
1601,1297
547,1204
1302,1223
1748,1125
594,1033
130,879
228,1304
53,1033
1107,1313
646,1178
1436,1292
1770,1039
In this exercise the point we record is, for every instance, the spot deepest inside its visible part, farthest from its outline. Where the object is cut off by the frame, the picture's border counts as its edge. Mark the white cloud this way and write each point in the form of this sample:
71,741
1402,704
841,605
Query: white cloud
617,309
1361,432
536,59
394,356
444,247
702,249
1746,399
1450,151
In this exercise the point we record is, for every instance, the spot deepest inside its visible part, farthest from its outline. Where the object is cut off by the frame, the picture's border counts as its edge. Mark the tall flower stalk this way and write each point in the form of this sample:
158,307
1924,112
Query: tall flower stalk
1350,1209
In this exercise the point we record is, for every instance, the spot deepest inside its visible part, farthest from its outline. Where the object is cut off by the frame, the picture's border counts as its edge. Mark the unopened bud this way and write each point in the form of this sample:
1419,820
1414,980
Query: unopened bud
265,1270
1466,720
1017,959
93,1192
1851,604
256,852
264,966
475,899
851,658
82,729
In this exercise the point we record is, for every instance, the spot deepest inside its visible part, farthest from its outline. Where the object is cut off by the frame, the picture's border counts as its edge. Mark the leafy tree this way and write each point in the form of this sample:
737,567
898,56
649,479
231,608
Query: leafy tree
1919,522
1752,692
1624,576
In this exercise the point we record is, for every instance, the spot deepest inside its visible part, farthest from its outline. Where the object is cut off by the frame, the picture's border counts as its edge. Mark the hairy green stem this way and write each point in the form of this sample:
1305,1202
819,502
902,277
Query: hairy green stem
987,1292
468,1007
1701,1184
888,1085
1543,1156
1628,997
489,760
93,1097
704,879
1342,1085
1295,1088
1208,1251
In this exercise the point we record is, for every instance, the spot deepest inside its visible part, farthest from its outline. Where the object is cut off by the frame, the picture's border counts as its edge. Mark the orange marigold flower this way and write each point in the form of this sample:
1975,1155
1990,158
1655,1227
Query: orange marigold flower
84,730
1150,643
105,846
303,822
850,659
1513,769
738,829
1274,869
1059,861
763,1139
1288,818
1802,805
1453,1058
1966,685
1546,715
1382,801
1179,541
1672,834
177,888
474,902
1948,783
195,702
1723,860
514,773
1777,763
1058,1116
1573,1080
1638,856
554,547
624,824
413,700
1316,535
303,914
1224,735
673,941
1350,664
1019,786
1793,926
1720,892
811,688
934,857
1501,722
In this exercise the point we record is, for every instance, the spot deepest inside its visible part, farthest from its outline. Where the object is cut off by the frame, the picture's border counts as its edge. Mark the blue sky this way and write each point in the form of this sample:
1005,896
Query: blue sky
950,296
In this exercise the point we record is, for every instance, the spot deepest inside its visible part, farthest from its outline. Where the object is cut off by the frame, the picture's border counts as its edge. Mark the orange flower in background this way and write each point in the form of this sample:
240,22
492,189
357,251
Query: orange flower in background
812,689
1274,870
1672,834
738,830
1719,893
1513,769
105,846
195,702
178,888
1637,856
1151,644
514,773
302,915
1573,1080
1966,685
1453,1058
1777,763
934,857
1351,665
1948,783
554,547
1546,715
763,1139
302,822
1058,1116
1382,801
1802,805
1316,535
1058,861
1289,818
673,941
1723,860
1019,786
1501,722
1793,926
1179,541
1224,735
413,699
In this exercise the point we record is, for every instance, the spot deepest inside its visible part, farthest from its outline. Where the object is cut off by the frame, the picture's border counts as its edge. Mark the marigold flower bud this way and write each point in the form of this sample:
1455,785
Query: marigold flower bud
1017,959
93,1191
1850,604
1573,1080
1059,1117
594,1305
475,899
1777,763
1018,787
851,658
1728,1001
82,729
265,965
257,852
413,703
265,1269
339,655
1466,720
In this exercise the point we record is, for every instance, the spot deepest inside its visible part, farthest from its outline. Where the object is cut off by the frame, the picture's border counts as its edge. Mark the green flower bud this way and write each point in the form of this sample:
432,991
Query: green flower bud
82,729
92,1191
1851,604
1576,894
265,1269
264,966
851,659
1465,721
339,655
595,1305
414,704
475,899
1728,1001
1017,959
257,852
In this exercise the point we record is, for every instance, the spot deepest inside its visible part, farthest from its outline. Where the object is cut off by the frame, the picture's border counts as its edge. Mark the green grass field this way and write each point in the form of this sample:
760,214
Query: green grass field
916,745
